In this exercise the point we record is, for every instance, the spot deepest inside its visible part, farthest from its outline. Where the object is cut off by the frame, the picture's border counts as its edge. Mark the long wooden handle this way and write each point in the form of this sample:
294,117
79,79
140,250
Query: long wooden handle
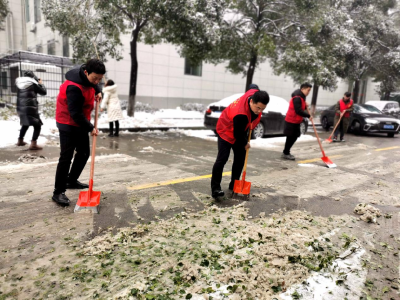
94,141
341,116
247,154
316,134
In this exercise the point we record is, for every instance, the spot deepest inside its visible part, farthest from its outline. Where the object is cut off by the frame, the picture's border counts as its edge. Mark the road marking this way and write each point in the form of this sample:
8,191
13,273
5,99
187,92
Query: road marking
316,159
389,148
170,182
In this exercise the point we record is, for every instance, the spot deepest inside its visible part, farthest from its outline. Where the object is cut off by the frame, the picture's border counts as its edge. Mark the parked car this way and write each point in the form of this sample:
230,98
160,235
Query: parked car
272,119
365,118
387,107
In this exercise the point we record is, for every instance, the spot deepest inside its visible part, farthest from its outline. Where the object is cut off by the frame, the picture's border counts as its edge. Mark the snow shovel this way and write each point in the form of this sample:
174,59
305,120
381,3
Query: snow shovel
90,200
329,139
243,186
324,158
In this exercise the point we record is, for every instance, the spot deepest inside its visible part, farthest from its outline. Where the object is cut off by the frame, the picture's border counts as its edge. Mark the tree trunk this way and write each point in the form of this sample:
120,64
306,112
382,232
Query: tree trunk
314,98
386,96
250,71
356,90
134,74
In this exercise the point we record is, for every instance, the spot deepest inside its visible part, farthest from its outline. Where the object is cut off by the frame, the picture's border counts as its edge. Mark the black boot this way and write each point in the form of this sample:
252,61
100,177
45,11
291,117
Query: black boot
116,128
218,193
61,199
111,129
76,185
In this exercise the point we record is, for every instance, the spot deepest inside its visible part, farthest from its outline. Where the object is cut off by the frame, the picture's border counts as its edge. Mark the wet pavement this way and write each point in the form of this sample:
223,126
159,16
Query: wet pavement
367,171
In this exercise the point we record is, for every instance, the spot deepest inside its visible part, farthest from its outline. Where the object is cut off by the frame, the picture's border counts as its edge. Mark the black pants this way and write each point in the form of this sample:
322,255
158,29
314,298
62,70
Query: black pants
290,140
116,127
339,129
70,142
224,149
36,132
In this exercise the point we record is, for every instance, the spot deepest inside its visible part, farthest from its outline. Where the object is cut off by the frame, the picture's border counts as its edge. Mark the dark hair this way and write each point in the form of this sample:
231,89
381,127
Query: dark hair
305,85
95,66
253,86
347,94
260,96
110,82
30,74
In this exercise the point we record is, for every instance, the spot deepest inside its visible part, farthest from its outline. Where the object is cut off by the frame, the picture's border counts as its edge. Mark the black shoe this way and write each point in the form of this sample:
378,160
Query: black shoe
116,134
76,185
110,135
61,199
218,193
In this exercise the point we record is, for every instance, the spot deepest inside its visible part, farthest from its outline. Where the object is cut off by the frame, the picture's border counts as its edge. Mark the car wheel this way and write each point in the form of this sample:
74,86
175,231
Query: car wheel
303,128
325,123
356,127
258,132
391,134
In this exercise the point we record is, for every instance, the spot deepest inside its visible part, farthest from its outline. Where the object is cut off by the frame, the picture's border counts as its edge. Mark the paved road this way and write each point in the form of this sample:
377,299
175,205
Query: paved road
367,172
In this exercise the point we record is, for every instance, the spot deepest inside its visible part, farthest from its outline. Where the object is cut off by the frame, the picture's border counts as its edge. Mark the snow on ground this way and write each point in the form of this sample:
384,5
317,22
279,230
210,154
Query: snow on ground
161,118
330,286
10,131
270,142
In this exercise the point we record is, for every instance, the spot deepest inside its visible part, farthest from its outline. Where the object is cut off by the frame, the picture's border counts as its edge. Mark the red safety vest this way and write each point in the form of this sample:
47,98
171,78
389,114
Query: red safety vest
62,113
238,107
344,106
291,116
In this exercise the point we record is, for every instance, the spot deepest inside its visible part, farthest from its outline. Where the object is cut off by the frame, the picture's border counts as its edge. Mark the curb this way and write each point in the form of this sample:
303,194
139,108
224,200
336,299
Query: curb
143,129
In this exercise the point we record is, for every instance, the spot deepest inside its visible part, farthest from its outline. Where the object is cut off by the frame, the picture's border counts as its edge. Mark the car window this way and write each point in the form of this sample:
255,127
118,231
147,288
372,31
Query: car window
332,107
396,106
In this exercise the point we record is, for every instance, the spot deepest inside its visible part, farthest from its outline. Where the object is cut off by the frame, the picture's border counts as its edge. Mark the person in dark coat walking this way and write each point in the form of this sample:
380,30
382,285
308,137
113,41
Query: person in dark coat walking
294,117
28,87
75,103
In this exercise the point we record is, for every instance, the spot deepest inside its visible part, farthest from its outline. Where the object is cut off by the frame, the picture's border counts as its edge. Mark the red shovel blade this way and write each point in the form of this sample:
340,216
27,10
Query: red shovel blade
88,199
329,140
328,162
242,187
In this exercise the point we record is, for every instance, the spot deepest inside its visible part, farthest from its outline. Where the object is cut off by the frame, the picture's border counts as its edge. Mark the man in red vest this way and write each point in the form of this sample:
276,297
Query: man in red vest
294,117
232,129
343,108
75,103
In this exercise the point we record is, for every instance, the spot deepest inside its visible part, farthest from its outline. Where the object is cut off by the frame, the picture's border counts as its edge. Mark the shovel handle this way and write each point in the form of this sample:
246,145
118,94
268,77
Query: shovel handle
247,154
316,134
96,114
333,131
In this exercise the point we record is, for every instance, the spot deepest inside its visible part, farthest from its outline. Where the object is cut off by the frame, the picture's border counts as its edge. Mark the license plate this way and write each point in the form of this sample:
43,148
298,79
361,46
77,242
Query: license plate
388,126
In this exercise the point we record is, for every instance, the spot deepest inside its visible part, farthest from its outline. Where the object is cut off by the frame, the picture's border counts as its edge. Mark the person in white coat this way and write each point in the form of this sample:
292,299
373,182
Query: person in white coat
111,103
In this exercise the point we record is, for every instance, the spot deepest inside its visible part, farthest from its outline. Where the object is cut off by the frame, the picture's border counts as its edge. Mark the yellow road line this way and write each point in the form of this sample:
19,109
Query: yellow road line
170,182
389,148
316,159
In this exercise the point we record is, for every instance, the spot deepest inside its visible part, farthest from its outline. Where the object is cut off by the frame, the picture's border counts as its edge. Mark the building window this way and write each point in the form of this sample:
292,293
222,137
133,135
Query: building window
27,11
39,48
38,16
51,47
65,46
4,80
192,69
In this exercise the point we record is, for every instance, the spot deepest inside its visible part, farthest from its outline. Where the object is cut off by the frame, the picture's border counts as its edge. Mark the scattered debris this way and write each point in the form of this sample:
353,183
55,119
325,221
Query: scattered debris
147,149
32,158
368,212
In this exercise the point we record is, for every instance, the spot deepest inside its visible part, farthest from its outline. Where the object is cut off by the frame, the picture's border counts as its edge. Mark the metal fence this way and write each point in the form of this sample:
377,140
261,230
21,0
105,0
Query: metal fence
51,69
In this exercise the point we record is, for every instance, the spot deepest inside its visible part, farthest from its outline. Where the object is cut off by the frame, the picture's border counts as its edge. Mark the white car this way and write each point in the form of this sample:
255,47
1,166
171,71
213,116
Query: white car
272,120
387,107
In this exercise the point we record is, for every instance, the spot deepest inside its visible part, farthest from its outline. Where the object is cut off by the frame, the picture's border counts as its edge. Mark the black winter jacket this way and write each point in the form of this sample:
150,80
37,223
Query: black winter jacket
27,103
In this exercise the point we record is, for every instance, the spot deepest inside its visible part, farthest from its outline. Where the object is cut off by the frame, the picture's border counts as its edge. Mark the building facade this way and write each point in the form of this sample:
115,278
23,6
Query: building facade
165,80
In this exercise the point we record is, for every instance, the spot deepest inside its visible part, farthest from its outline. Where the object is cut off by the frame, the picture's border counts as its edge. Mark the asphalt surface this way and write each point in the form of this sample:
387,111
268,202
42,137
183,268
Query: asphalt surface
367,172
